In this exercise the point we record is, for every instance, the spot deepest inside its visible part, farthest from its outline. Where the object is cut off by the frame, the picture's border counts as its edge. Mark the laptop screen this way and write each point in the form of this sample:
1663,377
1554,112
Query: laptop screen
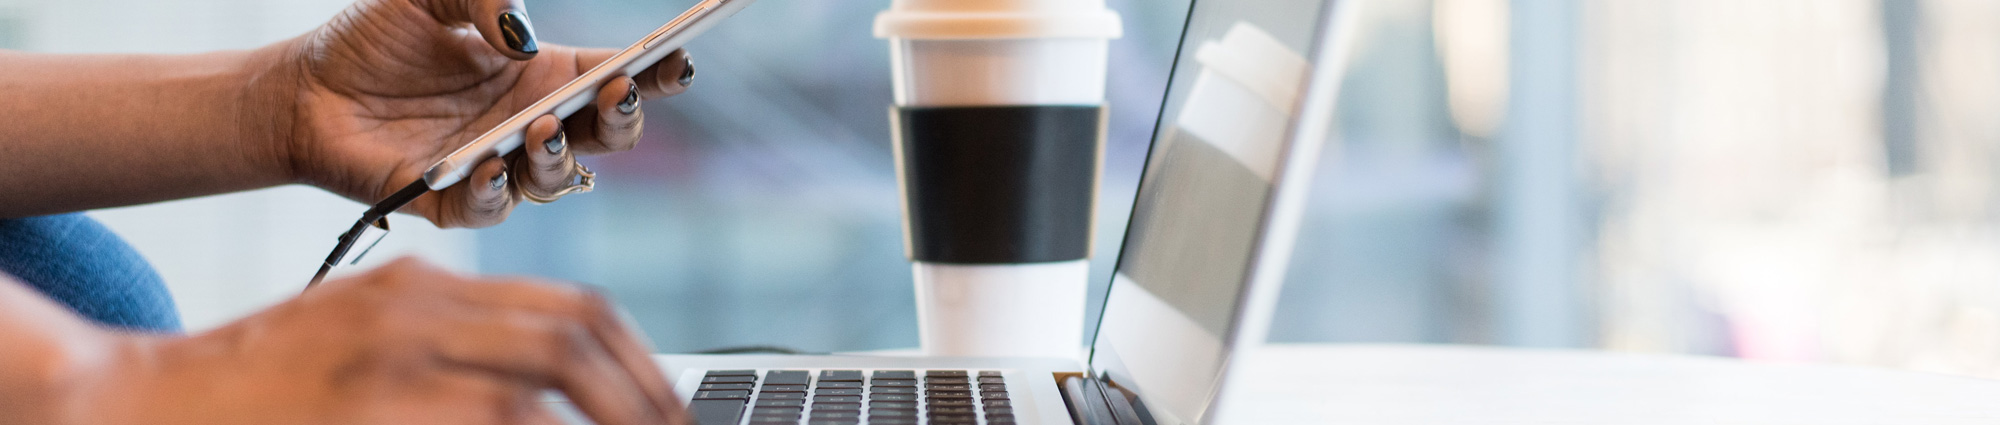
1222,135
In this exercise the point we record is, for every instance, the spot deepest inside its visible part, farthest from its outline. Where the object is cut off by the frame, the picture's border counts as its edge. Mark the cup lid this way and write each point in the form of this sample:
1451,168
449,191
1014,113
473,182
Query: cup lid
997,19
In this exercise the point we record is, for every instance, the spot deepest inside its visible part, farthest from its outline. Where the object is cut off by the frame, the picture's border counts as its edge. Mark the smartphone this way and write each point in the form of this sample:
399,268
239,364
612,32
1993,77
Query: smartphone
580,92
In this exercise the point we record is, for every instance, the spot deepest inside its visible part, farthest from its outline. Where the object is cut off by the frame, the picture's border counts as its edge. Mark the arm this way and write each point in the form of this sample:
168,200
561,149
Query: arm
98,131
359,106
402,344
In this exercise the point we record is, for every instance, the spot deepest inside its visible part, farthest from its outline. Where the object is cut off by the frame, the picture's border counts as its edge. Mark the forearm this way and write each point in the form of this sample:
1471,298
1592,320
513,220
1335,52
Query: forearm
94,131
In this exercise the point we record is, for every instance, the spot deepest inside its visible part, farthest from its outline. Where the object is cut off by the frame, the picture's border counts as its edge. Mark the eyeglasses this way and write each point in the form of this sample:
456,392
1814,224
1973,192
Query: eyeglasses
368,231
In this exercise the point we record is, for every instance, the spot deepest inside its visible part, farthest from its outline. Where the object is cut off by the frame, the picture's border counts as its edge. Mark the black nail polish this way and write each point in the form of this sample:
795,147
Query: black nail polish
499,181
556,144
514,29
687,73
631,101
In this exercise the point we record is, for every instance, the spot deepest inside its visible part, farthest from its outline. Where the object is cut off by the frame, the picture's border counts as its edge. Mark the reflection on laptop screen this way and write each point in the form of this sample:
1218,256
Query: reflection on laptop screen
1222,136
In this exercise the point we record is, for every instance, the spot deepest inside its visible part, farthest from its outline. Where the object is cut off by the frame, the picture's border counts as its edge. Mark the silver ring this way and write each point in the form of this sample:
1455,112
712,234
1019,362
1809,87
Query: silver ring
584,182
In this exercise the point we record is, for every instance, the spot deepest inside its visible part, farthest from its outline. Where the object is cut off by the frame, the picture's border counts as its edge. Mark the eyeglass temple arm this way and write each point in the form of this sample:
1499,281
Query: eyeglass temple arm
376,216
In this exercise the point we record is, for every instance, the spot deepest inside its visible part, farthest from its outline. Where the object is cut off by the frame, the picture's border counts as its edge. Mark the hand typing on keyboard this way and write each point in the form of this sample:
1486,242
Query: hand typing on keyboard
402,344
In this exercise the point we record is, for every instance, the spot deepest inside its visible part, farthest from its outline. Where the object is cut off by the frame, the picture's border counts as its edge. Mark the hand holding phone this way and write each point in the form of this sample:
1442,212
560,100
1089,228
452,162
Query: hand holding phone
507,136
545,117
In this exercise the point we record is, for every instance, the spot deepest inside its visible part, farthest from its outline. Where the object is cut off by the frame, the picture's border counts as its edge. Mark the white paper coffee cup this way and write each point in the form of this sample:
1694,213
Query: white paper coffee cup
971,53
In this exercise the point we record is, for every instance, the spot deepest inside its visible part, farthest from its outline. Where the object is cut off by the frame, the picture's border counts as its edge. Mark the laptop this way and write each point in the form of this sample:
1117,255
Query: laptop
1248,105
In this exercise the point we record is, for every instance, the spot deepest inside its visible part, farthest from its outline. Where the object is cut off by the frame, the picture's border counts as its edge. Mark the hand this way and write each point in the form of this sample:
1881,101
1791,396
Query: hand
390,86
403,344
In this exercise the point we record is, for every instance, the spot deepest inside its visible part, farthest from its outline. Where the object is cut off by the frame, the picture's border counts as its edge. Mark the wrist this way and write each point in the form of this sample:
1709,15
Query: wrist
274,82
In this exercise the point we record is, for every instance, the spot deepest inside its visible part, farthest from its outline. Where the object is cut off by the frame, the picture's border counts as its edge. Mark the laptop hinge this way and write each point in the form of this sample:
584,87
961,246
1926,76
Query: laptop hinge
1092,402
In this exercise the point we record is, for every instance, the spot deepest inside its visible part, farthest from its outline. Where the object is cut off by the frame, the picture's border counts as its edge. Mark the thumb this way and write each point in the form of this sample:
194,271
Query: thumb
503,23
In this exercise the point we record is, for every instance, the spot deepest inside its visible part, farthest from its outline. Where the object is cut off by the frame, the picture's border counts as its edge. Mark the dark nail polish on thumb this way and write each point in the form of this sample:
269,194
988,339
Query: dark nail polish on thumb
515,30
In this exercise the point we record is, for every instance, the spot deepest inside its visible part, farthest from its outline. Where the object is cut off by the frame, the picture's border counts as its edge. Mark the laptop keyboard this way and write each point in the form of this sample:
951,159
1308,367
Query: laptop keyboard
839,397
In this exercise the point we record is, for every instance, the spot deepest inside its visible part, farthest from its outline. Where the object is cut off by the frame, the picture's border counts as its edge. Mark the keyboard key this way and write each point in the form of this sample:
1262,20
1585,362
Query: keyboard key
993,395
837,406
769,395
939,394
892,420
893,390
838,391
839,384
773,420
892,404
891,413
721,394
837,399
786,377
734,372
895,374
834,421
835,414
985,373
840,375
949,402
716,412
992,387
776,411
948,387
734,386
727,379
941,417
892,397
795,388
952,410
944,373
999,419
996,403
780,402
991,411
895,382
991,380
945,380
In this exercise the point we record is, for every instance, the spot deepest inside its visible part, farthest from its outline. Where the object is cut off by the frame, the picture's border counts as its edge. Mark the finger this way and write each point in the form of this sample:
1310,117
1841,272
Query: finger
544,349
539,414
477,398
544,166
503,23
670,76
602,317
613,123
482,199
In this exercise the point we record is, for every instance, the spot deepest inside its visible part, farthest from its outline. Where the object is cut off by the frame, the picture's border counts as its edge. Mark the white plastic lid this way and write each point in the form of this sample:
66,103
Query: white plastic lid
1259,61
997,19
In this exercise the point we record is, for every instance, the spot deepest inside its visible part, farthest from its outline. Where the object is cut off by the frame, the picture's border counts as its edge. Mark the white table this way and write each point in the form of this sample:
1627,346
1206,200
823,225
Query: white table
1420,384
1444,384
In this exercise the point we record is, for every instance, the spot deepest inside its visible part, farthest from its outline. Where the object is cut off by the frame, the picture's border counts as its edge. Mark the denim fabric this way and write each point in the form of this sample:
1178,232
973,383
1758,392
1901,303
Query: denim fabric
81,264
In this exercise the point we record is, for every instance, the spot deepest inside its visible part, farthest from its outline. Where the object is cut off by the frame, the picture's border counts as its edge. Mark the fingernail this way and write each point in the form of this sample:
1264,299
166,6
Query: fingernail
687,72
555,145
499,181
631,101
514,29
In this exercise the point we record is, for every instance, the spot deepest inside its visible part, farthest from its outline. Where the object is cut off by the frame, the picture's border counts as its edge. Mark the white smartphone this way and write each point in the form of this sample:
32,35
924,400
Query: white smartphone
581,92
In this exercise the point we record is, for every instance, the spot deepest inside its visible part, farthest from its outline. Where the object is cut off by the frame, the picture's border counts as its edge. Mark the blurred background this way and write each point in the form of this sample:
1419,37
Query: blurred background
1787,180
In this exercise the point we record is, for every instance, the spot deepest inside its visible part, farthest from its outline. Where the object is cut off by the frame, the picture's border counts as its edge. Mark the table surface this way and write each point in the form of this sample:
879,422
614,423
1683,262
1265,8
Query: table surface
1441,384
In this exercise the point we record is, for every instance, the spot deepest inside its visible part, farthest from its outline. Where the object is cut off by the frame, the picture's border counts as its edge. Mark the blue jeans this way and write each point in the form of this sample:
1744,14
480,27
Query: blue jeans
81,264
